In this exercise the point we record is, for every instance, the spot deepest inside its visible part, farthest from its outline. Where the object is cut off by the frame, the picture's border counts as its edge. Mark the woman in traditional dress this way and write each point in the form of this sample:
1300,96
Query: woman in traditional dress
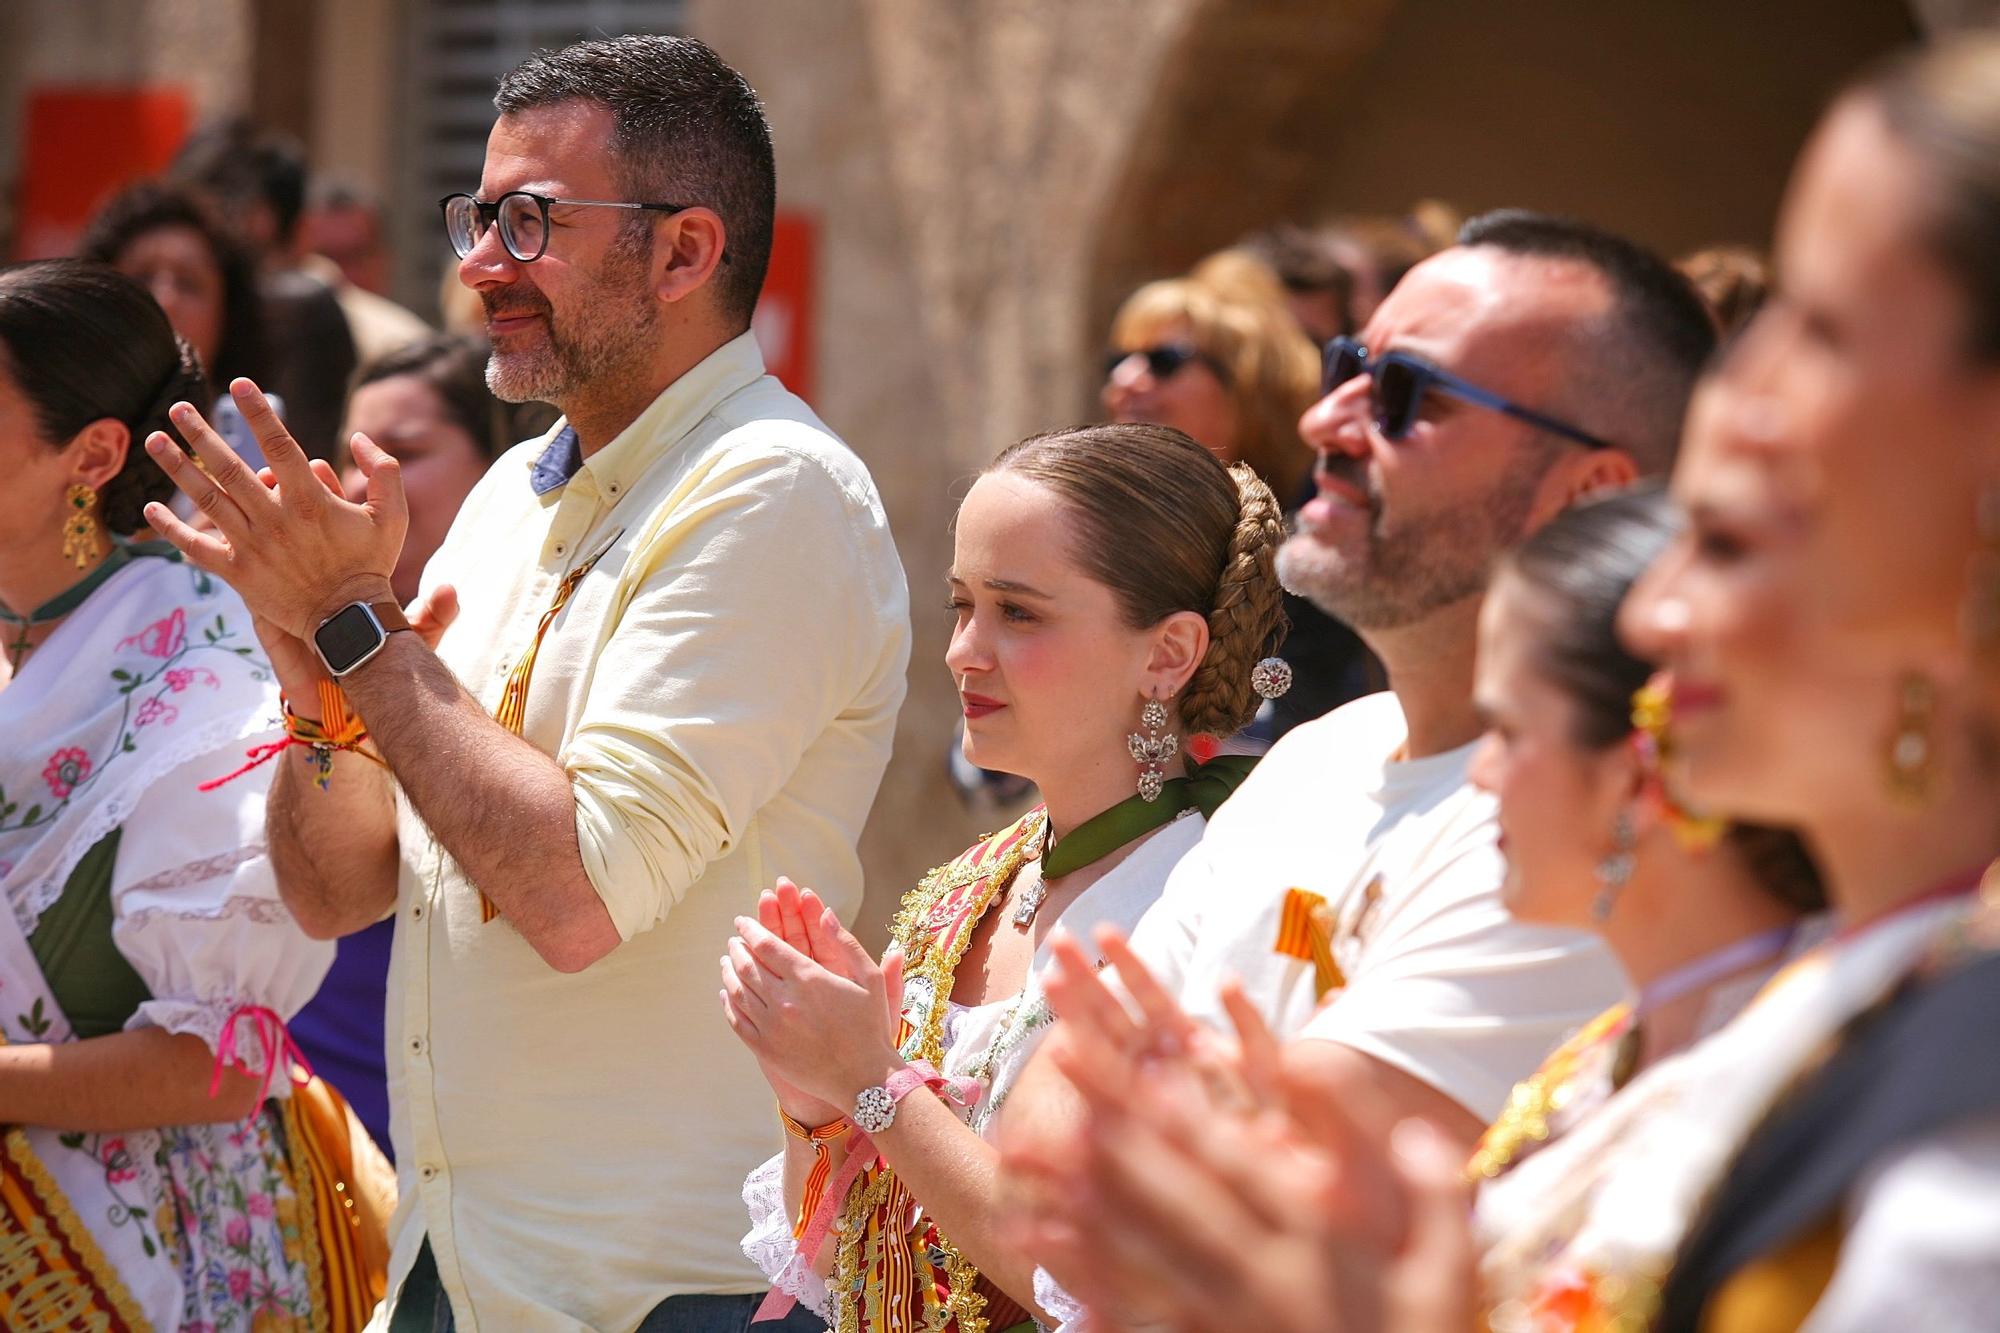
152,1172
1114,594
1700,915
1831,1158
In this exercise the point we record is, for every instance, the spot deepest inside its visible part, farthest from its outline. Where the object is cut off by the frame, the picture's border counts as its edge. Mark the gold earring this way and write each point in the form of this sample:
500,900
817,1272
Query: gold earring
83,539
1909,753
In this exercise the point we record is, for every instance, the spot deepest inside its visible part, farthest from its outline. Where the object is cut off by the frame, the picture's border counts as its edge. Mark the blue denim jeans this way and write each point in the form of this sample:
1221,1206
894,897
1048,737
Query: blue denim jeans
422,1308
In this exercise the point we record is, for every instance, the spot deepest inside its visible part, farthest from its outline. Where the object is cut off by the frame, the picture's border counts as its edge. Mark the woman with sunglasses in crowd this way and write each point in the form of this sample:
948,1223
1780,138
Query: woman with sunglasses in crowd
1114,593
1829,620
1218,356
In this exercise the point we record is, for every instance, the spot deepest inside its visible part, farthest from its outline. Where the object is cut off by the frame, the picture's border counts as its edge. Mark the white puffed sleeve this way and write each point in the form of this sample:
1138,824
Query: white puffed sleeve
197,912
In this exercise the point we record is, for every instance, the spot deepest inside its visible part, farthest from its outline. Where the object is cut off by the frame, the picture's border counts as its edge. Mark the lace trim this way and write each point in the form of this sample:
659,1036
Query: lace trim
196,872
205,1019
1063,1308
29,901
769,1243
257,910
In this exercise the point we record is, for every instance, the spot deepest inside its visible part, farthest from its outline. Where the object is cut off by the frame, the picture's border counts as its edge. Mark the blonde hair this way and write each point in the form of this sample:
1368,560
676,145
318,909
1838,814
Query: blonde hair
1235,312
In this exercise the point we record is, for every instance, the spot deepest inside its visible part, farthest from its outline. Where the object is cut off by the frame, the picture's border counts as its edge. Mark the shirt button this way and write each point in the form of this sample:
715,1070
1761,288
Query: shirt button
560,548
417,912
416,1046
427,1171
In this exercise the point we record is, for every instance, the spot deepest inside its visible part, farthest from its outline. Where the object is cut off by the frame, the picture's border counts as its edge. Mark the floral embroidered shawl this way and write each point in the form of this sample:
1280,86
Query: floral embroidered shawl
156,669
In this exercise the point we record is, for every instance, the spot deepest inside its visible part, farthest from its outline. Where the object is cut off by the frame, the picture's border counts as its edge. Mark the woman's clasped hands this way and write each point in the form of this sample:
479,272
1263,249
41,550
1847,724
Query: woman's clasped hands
817,1011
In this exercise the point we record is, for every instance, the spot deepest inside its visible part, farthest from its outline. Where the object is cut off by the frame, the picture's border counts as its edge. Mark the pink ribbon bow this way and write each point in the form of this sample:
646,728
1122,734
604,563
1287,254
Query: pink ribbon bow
963,1093
275,1039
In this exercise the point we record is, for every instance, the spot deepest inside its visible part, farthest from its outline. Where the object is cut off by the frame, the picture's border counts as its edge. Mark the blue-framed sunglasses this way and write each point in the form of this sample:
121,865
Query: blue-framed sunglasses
1399,382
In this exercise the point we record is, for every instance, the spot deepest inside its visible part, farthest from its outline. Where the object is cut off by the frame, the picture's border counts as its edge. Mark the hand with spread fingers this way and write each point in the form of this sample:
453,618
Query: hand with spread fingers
1220,1184
291,546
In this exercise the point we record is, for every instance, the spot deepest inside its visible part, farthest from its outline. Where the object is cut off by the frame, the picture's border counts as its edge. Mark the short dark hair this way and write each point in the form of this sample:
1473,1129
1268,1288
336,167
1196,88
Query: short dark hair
1633,371
149,206
689,130
83,342
453,365
1583,563
236,161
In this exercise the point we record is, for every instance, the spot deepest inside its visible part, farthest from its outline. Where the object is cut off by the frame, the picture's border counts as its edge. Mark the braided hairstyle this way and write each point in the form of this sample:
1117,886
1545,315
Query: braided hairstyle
1164,525
83,342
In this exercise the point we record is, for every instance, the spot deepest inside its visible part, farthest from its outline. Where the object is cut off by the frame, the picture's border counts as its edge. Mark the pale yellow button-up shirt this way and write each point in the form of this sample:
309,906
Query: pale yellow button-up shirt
721,689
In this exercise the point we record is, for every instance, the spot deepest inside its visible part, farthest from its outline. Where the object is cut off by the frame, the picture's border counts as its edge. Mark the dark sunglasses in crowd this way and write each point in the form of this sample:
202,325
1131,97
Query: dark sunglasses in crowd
1164,360
1400,381
523,217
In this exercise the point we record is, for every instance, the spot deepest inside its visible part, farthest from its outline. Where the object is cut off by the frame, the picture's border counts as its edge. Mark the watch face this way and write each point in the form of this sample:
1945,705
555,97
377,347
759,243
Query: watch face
347,638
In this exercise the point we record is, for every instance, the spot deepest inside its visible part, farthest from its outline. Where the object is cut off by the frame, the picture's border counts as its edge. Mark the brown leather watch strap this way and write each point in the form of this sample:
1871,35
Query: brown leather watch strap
390,616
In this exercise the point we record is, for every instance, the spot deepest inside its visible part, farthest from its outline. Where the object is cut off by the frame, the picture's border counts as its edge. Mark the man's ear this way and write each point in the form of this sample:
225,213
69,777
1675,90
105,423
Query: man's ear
690,249
1576,477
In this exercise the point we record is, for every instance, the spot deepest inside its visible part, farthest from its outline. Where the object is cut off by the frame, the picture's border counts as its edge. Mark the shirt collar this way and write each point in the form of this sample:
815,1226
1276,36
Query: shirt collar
680,407
557,463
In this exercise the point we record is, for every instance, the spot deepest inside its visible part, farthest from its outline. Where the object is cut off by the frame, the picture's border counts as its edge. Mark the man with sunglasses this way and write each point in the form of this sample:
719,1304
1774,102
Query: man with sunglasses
675,673
1352,883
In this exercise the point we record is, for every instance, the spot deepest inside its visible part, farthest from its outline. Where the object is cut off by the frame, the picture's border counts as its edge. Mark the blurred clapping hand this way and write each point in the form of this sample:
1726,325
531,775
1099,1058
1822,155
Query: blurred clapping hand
1216,1185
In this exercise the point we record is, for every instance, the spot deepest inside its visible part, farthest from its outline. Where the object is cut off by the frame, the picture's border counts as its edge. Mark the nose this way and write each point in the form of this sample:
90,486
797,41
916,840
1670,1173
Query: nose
487,264
1339,422
1654,619
967,651
1483,771
1128,378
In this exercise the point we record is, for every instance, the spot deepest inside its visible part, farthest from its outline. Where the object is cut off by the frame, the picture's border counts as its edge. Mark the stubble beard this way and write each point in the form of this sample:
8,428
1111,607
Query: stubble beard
611,337
1400,576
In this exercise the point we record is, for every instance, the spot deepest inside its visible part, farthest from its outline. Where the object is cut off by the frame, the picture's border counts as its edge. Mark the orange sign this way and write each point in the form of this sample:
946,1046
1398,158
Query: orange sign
785,319
79,145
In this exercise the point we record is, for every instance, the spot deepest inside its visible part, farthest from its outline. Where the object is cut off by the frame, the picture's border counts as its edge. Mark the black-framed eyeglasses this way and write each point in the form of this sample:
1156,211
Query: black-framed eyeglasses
523,217
1400,381
1163,360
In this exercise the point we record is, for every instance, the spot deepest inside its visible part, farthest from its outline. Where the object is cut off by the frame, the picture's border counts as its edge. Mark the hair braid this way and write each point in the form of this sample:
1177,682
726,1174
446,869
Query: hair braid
1247,619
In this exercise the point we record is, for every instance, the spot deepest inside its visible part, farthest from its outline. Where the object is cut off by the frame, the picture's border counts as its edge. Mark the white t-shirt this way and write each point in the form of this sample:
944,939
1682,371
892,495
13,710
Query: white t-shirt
1437,979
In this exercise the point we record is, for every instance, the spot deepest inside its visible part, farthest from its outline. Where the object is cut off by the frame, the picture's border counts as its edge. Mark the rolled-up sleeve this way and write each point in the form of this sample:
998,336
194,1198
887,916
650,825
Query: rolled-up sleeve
750,620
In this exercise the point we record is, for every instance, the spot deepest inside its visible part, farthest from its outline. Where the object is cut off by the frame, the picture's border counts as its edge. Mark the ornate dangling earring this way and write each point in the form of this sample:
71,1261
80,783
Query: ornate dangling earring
1909,753
83,540
1271,678
1152,750
1653,739
1614,872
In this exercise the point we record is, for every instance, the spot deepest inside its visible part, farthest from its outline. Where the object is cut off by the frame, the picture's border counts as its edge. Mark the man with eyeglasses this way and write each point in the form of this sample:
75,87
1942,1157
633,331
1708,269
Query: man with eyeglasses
1352,884
678,649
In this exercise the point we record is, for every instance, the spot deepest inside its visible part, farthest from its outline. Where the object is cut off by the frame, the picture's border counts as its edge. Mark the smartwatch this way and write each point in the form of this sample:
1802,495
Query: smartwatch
355,633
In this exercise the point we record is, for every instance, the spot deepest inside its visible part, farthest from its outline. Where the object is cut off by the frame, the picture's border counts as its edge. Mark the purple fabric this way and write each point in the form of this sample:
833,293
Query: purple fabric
341,1030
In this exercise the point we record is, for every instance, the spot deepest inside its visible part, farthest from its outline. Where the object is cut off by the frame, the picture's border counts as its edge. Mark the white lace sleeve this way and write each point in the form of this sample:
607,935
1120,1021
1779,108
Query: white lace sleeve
769,1243
1064,1309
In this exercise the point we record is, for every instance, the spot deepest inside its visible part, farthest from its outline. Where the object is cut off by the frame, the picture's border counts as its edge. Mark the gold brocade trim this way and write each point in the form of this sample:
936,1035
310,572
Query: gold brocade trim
308,1218
1525,1118
55,1202
937,967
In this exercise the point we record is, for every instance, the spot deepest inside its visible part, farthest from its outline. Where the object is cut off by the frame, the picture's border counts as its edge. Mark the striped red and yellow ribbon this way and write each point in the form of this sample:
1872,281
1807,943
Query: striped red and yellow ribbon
512,710
1305,932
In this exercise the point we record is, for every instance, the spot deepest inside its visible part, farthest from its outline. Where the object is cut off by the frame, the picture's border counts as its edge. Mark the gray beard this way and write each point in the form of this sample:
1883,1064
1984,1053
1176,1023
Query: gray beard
615,338
1399,578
